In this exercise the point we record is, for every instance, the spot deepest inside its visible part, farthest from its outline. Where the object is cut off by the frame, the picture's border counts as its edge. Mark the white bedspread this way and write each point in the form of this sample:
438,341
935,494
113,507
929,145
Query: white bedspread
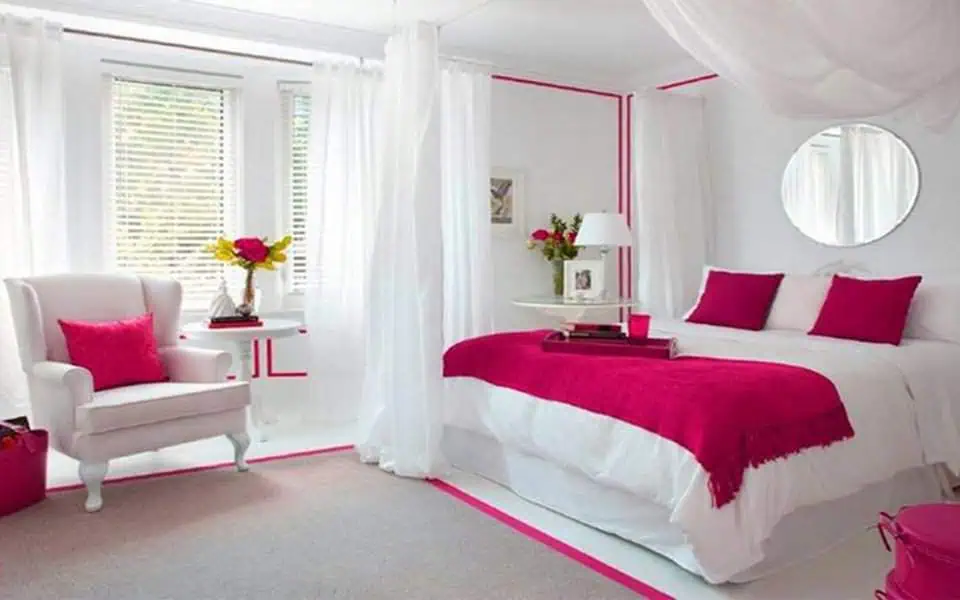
903,403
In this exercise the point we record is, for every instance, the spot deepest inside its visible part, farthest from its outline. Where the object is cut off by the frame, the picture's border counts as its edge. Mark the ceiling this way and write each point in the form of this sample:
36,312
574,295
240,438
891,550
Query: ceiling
582,40
614,38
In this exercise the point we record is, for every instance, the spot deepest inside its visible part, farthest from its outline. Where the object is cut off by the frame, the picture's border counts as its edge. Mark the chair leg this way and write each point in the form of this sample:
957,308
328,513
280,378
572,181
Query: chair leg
92,476
240,441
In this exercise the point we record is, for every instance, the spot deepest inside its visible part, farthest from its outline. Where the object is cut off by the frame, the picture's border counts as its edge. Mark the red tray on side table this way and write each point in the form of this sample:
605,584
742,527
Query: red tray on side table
557,341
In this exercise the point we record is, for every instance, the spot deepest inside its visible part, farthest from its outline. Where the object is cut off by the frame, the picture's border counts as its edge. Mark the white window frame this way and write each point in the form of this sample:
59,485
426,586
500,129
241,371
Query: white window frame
164,75
293,298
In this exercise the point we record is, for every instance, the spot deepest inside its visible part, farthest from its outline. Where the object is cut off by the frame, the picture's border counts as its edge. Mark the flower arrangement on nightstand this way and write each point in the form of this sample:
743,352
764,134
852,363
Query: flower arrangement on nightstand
556,243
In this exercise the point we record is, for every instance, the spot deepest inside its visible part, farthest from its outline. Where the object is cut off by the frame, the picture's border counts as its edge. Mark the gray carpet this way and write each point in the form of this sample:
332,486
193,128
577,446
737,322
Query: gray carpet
323,527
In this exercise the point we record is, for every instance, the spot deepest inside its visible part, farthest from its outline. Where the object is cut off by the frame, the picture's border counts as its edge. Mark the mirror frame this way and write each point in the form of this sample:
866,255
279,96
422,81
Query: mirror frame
906,215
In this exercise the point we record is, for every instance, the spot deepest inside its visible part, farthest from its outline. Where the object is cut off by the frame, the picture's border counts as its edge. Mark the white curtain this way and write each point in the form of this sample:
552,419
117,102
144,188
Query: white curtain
400,417
342,196
880,182
811,193
33,223
465,147
828,58
674,224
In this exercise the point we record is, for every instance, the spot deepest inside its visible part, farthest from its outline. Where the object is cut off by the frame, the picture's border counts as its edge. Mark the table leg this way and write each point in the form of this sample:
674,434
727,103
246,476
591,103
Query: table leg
245,354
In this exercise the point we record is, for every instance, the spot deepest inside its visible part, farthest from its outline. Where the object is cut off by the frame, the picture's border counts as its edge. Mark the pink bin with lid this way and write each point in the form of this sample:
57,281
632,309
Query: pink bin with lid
927,539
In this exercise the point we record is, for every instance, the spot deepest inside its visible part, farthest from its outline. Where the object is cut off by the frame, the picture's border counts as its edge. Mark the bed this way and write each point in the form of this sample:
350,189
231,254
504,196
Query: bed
903,402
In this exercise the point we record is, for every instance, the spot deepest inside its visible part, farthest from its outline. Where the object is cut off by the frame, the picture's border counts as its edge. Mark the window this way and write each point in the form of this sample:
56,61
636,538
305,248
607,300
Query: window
172,182
296,123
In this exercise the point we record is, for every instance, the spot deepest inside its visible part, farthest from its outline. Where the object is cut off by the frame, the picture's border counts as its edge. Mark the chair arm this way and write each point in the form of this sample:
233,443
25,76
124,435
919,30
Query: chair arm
50,376
56,390
195,365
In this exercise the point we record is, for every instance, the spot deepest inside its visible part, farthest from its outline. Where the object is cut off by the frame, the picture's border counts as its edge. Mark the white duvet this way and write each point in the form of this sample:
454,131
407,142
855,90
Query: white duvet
903,403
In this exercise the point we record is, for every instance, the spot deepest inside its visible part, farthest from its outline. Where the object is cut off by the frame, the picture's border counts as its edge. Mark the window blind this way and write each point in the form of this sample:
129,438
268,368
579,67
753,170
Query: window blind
296,118
172,182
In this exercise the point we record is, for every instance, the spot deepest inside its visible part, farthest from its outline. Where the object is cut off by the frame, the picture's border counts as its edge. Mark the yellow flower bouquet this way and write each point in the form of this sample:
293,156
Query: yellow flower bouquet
250,254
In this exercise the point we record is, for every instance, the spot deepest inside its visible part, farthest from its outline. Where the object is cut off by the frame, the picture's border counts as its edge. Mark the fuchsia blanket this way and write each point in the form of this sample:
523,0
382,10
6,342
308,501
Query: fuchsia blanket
730,414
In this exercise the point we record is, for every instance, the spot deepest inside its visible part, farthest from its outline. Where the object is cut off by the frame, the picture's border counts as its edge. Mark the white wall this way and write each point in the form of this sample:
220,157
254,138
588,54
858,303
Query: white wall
750,147
565,143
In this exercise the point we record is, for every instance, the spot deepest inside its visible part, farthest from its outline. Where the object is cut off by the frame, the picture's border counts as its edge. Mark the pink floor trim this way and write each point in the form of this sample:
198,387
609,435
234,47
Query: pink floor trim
567,550
252,461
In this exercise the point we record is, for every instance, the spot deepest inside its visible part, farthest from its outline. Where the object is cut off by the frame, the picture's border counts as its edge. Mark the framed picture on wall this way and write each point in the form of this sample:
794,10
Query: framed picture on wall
583,279
506,201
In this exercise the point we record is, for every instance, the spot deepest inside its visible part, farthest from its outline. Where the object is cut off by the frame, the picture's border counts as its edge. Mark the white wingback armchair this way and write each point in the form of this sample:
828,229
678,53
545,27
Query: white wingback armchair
95,427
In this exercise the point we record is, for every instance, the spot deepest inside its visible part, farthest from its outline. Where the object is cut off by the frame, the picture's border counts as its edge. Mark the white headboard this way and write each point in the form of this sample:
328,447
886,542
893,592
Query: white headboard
843,268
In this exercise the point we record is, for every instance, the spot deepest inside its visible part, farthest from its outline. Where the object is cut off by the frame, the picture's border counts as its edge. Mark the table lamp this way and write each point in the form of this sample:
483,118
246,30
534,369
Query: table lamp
605,231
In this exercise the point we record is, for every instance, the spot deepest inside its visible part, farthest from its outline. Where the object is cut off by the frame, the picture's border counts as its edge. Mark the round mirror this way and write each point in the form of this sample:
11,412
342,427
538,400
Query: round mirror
850,185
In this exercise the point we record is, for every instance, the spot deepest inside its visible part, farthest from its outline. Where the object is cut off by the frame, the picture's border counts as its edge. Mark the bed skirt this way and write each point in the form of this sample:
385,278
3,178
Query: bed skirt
803,534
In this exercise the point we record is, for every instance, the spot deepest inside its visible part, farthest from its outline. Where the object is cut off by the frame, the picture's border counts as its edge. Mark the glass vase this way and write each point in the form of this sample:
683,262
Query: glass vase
249,291
558,277
248,299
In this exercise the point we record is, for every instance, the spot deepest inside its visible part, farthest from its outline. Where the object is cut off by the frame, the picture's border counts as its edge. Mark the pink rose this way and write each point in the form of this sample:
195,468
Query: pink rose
572,237
251,249
540,235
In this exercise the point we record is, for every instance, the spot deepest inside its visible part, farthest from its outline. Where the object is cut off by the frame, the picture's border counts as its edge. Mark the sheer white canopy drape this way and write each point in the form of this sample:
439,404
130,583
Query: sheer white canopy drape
399,242
341,210
828,58
33,222
400,415
674,224
467,261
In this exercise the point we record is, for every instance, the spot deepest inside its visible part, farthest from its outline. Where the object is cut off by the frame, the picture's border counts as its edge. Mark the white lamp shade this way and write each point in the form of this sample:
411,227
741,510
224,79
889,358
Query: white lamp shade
604,229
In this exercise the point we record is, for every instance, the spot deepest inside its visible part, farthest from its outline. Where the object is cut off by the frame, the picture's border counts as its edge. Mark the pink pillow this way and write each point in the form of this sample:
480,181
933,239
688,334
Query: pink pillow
117,353
868,310
740,300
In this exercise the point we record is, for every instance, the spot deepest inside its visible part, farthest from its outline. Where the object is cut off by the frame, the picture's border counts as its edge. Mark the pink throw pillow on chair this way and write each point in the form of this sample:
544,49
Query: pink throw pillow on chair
867,310
116,353
740,300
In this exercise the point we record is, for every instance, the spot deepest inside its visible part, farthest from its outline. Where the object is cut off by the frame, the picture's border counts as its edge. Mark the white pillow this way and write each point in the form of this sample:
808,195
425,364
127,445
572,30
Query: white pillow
798,301
935,312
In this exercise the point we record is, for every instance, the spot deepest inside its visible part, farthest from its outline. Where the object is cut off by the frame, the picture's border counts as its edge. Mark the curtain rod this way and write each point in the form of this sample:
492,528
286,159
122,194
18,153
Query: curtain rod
233,53
179,46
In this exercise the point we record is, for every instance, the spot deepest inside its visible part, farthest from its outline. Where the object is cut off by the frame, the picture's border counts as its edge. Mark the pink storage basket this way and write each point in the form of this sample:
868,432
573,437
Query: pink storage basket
927,539
23,472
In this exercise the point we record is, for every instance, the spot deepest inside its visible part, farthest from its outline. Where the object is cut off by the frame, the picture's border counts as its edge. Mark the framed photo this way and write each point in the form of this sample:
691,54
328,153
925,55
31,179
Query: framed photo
506,201
583,279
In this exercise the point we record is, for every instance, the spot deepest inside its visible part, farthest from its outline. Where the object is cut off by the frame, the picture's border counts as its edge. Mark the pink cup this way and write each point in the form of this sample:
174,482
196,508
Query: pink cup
638,327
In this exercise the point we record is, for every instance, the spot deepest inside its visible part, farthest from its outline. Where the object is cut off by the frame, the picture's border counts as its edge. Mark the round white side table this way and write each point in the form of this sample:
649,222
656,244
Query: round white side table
240,339
570,309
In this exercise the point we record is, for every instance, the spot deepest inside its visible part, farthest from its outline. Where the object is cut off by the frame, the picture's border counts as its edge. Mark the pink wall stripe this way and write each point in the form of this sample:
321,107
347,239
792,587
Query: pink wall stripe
675,84
555,86
621,200
629,195
567,550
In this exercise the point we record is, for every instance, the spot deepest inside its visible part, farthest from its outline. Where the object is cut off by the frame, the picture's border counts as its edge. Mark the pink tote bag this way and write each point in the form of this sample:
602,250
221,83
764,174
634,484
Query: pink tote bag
23,471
